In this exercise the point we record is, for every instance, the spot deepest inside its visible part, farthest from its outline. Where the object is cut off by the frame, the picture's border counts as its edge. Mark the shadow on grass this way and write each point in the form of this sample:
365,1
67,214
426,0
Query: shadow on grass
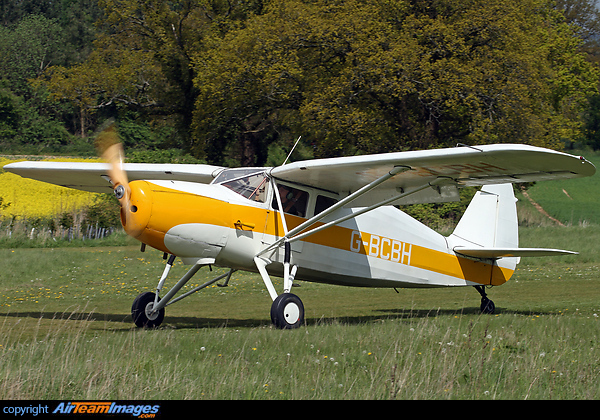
181,322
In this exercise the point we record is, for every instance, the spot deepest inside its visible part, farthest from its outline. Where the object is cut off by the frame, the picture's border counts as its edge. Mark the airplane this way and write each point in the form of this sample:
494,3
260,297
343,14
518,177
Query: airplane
328,220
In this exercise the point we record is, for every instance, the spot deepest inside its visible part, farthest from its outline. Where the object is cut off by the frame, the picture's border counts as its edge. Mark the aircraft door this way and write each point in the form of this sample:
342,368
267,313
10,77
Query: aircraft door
295,206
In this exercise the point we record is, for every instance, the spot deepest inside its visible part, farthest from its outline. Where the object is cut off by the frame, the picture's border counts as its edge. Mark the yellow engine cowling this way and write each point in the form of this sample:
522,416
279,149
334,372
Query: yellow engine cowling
175,221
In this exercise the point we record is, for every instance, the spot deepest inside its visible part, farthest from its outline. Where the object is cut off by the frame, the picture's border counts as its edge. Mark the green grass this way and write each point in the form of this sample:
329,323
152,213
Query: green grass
66,333
572,201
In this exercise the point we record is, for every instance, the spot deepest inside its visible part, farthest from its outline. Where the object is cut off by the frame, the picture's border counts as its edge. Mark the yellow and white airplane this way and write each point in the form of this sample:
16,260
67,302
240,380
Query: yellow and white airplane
323,220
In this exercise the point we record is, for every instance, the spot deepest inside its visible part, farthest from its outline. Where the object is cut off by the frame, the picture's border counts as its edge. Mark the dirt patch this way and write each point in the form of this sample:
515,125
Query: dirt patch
540,208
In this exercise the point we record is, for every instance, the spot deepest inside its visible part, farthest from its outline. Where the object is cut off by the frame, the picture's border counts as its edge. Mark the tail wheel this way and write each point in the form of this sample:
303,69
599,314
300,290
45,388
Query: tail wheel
487,306
141,311
287,311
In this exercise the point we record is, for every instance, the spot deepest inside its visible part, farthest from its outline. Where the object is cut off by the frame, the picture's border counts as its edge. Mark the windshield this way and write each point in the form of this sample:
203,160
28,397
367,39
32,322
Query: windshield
229,174
253,186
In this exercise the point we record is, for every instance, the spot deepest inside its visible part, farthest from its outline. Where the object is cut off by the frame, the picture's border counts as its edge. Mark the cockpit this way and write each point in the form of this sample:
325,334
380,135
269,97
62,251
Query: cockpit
254,185
251,183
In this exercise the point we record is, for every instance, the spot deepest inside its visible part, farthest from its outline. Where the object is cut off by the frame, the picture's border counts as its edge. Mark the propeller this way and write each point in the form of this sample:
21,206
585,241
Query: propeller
109,146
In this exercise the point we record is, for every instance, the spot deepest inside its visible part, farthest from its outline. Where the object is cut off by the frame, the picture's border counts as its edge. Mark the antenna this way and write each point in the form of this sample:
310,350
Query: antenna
291,151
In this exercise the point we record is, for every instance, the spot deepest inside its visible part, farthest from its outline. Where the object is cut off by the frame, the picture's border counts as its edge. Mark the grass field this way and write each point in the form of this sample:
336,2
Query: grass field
571,201
66,333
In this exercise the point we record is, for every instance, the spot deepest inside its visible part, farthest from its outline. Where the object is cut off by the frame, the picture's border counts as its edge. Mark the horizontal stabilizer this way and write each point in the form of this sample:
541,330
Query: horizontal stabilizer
510,252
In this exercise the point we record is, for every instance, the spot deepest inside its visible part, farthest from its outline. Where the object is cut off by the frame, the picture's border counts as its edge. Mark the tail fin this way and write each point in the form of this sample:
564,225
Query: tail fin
490,221
489,229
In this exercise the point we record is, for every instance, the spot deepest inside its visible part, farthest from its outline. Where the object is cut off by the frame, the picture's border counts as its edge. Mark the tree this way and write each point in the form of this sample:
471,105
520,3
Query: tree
28,48
34,44
584,17
141,61
35,36
246,80
359,77
108,77
237,79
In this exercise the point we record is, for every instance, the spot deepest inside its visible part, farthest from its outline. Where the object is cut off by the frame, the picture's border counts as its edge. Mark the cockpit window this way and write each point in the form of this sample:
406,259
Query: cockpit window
253,187
229,174
293,200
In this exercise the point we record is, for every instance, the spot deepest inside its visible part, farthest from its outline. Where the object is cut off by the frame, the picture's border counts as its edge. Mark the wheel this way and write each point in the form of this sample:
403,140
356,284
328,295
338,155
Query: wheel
141,311
487,306
287,311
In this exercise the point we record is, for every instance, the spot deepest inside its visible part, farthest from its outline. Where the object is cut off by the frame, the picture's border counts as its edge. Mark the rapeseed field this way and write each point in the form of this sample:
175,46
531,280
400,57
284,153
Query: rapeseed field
24,198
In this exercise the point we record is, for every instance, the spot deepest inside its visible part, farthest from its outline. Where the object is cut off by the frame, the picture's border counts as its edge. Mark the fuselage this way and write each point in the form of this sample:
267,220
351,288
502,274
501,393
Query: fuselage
230,221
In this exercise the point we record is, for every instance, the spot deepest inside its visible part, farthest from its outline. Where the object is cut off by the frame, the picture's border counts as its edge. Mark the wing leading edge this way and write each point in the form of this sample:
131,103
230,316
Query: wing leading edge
88,176
462,166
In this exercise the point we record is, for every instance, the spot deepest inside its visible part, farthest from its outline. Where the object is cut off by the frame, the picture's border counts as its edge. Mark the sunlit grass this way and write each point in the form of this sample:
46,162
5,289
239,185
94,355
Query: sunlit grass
66,332
509,356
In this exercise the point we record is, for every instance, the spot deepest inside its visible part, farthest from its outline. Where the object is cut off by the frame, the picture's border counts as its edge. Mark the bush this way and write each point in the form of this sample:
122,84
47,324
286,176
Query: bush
104,212
441,216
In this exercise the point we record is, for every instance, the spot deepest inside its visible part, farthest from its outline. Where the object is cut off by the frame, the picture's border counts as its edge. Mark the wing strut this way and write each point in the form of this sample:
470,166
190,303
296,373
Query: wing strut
437,182
288,235
296,233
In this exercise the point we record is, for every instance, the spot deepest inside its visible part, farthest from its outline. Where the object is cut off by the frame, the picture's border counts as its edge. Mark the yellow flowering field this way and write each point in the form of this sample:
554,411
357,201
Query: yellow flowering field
29,198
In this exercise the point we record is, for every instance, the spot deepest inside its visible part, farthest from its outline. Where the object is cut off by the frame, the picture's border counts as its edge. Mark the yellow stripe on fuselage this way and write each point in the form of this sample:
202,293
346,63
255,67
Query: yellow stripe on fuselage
427,259
173,207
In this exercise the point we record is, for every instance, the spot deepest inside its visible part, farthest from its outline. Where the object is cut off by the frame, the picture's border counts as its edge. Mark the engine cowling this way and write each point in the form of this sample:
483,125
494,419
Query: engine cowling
189,224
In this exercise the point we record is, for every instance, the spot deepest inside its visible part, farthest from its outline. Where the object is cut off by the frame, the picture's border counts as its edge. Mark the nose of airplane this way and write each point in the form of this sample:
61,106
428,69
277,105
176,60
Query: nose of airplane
136,214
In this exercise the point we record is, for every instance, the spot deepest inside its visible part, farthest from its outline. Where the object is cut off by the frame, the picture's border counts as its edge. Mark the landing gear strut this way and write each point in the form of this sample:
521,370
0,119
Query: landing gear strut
487,305
148,309
287,310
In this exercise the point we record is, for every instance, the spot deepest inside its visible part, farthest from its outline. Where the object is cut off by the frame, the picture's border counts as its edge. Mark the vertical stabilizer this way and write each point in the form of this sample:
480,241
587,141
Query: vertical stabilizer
490,220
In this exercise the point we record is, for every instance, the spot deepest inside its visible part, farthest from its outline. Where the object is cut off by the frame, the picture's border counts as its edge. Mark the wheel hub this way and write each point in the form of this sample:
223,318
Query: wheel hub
291,313
149,314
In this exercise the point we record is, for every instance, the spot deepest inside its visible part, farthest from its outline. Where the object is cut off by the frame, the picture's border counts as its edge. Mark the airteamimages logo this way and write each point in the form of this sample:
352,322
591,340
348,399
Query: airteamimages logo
142,411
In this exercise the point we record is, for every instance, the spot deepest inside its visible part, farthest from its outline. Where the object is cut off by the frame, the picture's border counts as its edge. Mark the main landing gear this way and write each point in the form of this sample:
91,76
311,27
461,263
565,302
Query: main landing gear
287,311
487,305
148,309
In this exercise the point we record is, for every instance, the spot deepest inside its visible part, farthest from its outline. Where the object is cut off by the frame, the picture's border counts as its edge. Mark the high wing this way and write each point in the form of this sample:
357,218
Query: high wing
446,169
460,166
88,176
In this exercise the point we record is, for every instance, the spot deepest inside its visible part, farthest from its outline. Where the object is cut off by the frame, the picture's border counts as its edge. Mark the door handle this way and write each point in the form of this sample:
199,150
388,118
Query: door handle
241,225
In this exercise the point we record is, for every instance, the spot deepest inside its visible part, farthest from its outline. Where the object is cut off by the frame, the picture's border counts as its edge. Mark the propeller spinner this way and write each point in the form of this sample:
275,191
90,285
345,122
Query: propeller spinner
110,148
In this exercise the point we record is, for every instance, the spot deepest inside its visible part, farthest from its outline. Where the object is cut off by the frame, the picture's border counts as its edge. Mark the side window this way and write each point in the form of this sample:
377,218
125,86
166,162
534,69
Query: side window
323,203
293,200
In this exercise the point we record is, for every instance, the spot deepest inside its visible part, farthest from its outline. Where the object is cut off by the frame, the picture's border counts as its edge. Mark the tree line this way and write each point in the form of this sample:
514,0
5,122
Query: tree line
236,82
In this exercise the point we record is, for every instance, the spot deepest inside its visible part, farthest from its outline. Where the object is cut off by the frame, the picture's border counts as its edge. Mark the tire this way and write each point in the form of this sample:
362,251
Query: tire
141,309
487,306
287,312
